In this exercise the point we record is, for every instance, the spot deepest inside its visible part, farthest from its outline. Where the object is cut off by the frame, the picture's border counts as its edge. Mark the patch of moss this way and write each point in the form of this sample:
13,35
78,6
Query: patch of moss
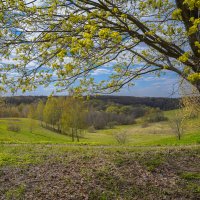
152,161
120,161
99,195
193,187
16,193
190,175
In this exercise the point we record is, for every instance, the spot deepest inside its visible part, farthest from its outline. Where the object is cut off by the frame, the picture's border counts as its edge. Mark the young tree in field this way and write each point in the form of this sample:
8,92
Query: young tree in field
190,102
1,102
73,117
2,107
58,109
177,124
40,110
74,38
52,112
48,111
121,137
31,116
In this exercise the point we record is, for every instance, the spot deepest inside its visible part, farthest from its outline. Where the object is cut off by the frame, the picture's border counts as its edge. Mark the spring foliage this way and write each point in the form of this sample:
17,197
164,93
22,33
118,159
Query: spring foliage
65,41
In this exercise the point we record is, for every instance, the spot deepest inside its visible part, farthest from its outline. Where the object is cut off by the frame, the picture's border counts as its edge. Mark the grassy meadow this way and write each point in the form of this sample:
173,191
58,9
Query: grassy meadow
155,134
153,164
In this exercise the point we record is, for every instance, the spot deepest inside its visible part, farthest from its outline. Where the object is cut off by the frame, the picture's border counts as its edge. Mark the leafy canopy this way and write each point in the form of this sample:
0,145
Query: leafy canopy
64,41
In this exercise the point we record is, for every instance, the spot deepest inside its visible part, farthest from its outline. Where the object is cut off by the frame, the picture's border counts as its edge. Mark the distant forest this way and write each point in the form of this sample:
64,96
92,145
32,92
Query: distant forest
155,102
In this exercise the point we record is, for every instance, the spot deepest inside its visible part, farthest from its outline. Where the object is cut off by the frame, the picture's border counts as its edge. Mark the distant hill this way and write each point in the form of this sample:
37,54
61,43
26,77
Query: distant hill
156,102
16,100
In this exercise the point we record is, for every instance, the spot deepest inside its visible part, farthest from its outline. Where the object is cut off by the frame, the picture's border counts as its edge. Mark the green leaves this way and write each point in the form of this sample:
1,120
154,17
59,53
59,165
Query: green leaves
64,41
177,14
184,57
194,77
192,4
195,28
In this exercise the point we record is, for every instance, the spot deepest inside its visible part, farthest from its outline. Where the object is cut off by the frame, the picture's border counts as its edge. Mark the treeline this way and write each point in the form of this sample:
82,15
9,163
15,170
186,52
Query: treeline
155,102
99,115
21,110
63,115
55,111
68,115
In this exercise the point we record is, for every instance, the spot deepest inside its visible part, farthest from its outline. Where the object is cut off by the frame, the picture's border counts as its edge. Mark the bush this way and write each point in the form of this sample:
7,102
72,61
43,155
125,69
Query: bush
13,127
112,124
177,125
155,115
97,119
121,137
91,129
126,119
145,125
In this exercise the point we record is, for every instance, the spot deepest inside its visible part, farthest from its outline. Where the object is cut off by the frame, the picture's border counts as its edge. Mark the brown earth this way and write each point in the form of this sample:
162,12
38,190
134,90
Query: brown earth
107,176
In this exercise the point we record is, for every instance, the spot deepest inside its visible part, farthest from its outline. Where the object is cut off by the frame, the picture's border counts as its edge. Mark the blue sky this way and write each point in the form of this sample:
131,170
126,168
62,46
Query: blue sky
148,85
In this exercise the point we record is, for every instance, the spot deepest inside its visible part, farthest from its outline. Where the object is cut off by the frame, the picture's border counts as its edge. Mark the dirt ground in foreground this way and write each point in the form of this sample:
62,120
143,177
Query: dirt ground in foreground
106,176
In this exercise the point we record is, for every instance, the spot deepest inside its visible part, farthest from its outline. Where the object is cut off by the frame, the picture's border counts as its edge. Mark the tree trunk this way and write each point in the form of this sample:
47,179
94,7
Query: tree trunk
72,135
77,136
179,137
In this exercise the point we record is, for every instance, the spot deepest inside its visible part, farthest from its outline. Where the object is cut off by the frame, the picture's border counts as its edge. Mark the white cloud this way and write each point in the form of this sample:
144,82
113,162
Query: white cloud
8,61
101,71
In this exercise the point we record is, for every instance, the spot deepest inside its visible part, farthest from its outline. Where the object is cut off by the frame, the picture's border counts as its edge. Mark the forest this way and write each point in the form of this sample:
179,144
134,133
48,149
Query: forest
70,116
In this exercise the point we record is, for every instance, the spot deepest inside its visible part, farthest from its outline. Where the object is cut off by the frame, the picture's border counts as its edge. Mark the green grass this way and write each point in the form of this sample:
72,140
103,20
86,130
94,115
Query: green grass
16,193
119,171
38,135
190,175
155,134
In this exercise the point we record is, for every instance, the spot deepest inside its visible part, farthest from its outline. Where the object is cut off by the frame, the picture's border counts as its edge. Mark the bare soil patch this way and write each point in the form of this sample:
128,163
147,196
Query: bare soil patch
106,175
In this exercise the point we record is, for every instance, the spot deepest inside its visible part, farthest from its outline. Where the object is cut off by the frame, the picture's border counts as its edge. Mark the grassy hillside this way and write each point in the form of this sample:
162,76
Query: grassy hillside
45,165
155,134
38,135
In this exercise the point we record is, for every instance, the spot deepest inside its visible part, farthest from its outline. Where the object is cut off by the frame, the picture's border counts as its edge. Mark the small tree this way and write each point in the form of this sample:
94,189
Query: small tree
31,116
1,106
13,127
121,137
52,112
73,116
39,111
154,115
177,124
189,108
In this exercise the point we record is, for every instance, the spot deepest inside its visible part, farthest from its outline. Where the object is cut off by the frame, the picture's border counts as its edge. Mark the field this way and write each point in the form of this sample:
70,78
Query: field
155,134
153,164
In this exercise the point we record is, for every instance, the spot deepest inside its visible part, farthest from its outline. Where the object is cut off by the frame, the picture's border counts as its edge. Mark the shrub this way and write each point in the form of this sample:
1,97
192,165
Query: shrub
177,125
13,127
97,119
91,129
145,124
121,137
155,115
112,124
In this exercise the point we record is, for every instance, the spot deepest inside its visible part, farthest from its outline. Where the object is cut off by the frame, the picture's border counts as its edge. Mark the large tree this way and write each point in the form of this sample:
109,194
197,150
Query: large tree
64,41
